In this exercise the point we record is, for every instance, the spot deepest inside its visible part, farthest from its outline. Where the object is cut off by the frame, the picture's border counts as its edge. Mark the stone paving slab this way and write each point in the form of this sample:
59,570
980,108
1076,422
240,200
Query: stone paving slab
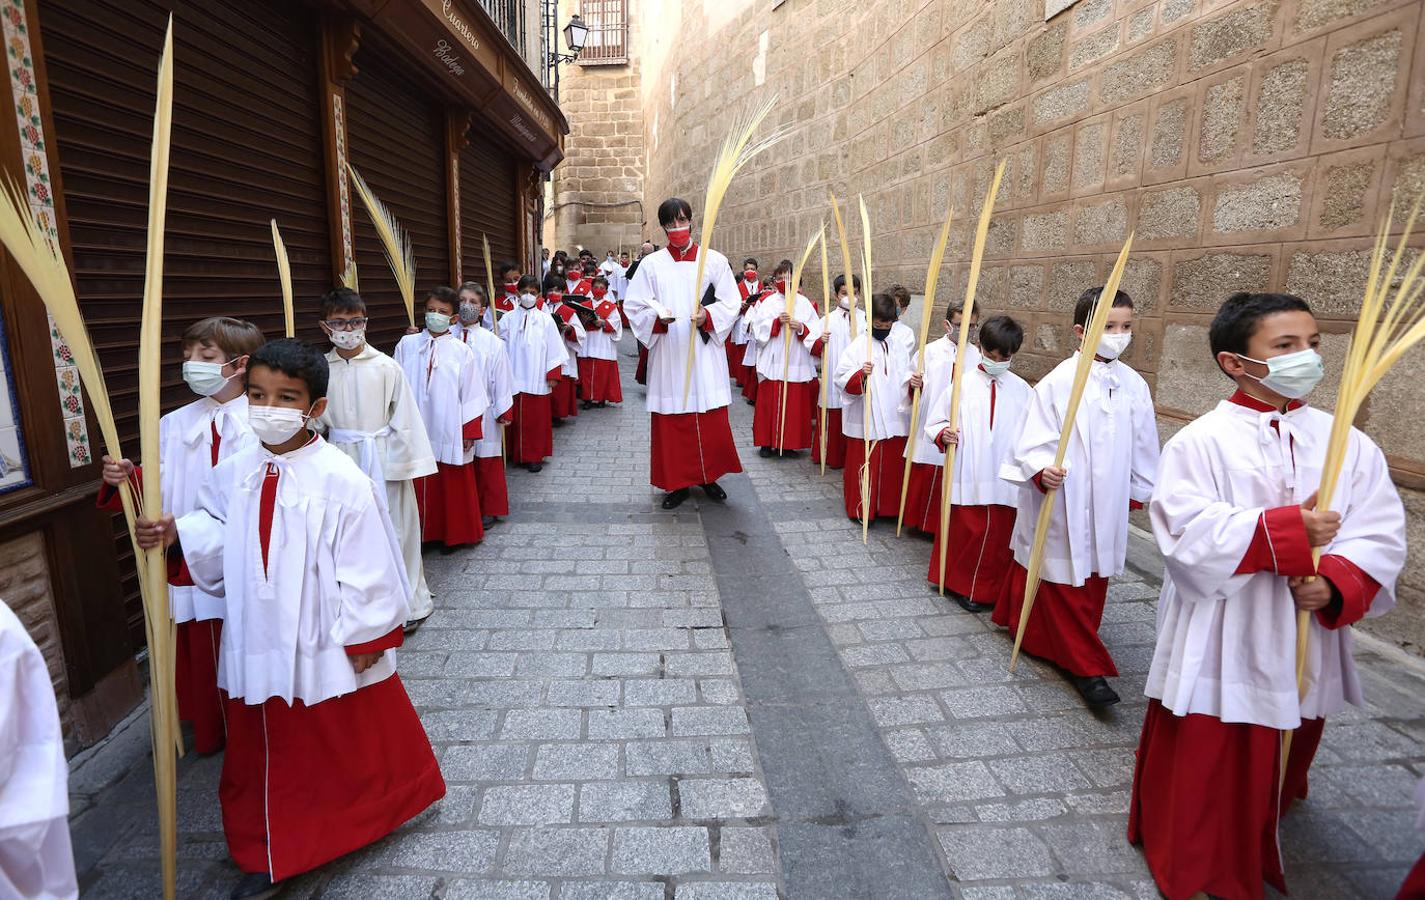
747,702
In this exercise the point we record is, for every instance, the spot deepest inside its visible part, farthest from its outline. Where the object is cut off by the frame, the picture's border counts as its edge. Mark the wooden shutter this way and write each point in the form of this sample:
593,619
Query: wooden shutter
247,147
488,205
396,138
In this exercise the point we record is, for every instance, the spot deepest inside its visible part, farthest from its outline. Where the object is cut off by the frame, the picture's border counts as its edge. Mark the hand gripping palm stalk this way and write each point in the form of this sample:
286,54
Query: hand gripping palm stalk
962,342
789,303
394,241
738,149
1092,332
1392,321
42,261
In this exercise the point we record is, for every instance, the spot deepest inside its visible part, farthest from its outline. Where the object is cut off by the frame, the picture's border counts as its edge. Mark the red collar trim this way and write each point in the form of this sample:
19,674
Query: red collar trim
1242,398
690,254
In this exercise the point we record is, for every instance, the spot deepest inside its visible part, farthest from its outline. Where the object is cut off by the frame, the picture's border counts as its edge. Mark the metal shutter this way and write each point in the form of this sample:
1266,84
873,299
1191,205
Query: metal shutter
247,147
396,138
488,205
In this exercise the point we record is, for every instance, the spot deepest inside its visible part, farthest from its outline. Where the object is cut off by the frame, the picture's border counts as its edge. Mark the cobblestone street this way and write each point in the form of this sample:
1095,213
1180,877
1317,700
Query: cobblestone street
742,702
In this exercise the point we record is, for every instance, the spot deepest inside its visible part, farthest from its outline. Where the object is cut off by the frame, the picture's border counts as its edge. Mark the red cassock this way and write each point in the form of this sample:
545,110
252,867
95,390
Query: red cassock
564,398
768,427
1227,856
490,485
1063,627
529,439
978,557
1414,886
449,501
835,439
922,497
691,448
303,785
598,380
887,472
734,360
640,374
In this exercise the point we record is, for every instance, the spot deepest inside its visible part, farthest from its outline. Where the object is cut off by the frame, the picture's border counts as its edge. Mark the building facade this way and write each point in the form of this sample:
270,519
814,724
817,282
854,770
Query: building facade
438,103
1248,145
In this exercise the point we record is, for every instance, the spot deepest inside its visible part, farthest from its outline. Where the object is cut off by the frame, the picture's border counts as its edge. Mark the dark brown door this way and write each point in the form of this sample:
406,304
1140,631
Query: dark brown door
247,147
488,206
396,138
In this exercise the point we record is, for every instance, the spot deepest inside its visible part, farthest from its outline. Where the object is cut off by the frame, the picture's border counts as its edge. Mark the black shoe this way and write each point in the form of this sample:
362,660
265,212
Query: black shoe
602,403
488,521
751,402
1095,690
714,491
791,454
255,886
674,499
766,452
533,467
969,605
586,405
557,423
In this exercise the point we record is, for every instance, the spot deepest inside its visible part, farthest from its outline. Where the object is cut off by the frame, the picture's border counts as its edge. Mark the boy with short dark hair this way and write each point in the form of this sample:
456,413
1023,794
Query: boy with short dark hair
993,401
828,337
450,394
537,356
372,416
191,441
776,431
750,289
507,295
1235,516
598,354
325,751
487,455
885,418
1110,464
564,401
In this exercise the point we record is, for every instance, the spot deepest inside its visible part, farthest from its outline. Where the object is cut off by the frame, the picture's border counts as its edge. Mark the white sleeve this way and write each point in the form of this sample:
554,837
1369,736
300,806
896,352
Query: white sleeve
729,299
408,451
473,398
641,308
1143,471
1038,437
202,533
372,590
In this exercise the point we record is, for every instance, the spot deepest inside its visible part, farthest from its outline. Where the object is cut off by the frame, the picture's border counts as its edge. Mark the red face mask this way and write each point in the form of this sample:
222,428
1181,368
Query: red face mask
512,287
679,238
553,297
782,286
600,292
750,275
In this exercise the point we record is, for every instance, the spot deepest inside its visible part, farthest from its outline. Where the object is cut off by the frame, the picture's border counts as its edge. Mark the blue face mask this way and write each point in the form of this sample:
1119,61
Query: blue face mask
1292,375
994,368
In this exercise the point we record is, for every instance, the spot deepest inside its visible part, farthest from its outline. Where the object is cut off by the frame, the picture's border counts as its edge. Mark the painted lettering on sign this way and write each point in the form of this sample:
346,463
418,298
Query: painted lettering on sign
517,121
444,53
459,25
531,105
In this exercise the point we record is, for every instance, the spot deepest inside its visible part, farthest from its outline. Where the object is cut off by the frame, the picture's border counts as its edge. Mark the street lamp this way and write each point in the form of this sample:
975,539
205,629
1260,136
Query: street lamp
576,33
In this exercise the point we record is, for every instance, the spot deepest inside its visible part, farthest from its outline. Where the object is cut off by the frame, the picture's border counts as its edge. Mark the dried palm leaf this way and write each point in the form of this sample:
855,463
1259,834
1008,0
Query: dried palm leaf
827,366
394,241
789,303
284,276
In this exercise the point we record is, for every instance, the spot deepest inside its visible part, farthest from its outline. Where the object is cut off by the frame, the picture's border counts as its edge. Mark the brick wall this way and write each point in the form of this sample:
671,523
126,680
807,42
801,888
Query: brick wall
598,189
25,588
1250,144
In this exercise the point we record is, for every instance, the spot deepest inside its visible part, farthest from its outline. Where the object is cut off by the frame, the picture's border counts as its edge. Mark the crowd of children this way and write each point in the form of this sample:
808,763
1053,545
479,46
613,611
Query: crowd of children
267,514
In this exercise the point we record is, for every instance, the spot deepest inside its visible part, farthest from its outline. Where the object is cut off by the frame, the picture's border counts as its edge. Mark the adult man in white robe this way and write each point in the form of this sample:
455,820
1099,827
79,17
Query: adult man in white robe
691,438
372,417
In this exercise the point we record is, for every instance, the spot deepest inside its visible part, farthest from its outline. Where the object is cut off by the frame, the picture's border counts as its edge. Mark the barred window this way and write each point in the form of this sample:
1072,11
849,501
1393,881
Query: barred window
608,32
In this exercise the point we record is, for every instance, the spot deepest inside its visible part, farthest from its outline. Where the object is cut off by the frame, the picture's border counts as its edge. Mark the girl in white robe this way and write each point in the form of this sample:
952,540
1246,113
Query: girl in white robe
993,403
1234,515
487,454
784,367
922,493
886,420
1111,461
191,441
537,357
325,752
372,417
450,395
828,336
691,439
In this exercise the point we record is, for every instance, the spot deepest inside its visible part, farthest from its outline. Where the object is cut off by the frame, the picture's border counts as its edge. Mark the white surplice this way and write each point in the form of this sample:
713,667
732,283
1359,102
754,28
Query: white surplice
334,576
373,418
572,344
599,343
890,403
535,348
771,352
1112,458
185,448
837,330
984,447
1227,642
36,859
444,378
498,377
664,287
939,363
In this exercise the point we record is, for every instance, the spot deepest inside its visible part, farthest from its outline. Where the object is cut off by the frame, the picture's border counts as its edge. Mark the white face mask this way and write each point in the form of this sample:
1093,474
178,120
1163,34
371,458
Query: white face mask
437,323
348,340
994,368
1111,346
275,424
528,300
844,302
205,378
1293,375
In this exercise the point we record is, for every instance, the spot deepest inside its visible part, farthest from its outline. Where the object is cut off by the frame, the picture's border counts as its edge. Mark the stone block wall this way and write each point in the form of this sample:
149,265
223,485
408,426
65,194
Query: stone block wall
1249,144
598,188
25,588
